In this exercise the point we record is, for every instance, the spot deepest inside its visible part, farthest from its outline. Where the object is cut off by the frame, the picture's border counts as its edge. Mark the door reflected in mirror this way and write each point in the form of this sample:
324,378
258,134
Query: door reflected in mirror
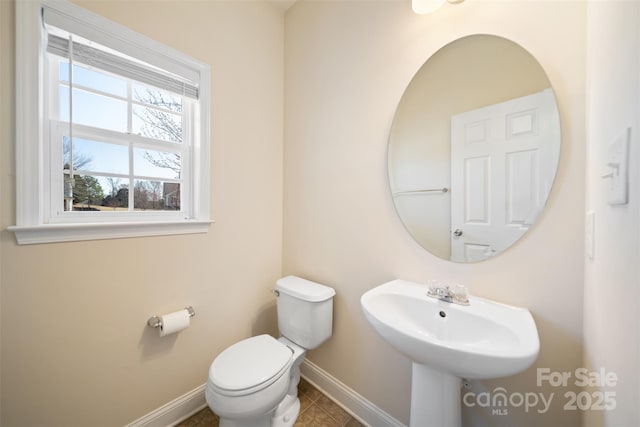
474,148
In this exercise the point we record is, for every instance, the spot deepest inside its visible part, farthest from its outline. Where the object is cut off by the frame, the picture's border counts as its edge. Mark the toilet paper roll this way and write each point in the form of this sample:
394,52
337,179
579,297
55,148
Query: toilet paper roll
174,322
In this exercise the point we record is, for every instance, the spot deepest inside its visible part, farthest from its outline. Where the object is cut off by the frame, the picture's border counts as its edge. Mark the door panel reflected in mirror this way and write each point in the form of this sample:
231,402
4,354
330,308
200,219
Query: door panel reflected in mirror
474,148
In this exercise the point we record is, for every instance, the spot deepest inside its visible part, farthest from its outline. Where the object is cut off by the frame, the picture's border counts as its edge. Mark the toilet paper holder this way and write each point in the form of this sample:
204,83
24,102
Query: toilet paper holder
156,321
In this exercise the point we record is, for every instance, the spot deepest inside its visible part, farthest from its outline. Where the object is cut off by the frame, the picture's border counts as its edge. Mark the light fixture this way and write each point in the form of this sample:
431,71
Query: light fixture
427,6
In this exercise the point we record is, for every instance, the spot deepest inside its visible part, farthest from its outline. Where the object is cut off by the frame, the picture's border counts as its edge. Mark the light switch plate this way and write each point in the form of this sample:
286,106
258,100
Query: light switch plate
617,167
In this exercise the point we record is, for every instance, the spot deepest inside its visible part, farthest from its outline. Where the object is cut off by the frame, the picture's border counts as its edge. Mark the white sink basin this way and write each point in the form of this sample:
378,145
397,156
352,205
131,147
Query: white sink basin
482,340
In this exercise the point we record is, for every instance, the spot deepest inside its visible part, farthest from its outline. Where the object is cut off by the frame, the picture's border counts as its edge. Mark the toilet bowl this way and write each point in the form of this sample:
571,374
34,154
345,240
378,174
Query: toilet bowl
254,382
250,380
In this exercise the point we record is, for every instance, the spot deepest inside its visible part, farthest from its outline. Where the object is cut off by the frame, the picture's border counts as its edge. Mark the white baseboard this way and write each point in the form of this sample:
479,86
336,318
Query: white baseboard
175,411
360,408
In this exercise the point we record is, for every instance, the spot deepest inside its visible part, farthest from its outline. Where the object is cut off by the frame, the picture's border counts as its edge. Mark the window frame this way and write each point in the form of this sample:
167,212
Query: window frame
34,219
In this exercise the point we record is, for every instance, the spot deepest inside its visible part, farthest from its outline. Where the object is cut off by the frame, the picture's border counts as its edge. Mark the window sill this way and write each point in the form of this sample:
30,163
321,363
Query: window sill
52,233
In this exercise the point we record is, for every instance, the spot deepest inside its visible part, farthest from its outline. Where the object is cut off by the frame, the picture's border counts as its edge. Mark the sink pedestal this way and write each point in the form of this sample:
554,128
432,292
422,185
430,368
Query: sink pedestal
435,398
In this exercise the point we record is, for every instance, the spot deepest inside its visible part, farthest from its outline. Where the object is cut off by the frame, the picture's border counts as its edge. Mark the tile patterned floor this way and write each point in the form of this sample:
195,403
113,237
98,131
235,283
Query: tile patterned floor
316,410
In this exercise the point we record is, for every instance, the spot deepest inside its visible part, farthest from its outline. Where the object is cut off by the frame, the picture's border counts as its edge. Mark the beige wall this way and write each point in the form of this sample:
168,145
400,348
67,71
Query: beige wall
75,348
347,65
612,294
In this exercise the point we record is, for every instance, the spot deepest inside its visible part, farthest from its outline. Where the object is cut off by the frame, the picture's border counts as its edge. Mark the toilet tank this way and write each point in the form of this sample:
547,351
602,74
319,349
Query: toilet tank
305,311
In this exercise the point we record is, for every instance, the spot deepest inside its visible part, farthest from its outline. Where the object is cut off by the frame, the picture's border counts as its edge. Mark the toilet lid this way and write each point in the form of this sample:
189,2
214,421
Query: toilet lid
249,363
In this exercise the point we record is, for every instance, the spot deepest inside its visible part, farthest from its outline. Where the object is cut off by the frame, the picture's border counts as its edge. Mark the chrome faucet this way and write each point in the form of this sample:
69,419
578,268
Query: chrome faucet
458,296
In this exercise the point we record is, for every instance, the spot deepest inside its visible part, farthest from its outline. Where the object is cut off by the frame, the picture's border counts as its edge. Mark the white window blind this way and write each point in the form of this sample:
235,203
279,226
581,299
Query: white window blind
120,65
127,44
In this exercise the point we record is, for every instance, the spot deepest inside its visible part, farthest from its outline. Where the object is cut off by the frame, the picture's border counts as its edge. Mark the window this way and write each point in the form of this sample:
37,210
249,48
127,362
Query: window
112,130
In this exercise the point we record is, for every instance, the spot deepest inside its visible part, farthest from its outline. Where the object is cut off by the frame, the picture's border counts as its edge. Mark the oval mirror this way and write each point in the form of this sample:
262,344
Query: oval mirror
474,148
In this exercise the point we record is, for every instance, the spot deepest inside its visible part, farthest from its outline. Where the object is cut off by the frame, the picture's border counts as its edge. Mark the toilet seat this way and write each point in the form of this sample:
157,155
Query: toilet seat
250,366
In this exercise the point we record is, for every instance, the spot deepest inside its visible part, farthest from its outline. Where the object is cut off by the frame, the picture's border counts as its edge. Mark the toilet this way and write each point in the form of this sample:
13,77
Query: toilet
254,382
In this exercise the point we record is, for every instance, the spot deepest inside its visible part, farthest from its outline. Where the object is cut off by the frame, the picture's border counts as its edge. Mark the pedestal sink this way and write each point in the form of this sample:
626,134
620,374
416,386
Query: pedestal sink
448,342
